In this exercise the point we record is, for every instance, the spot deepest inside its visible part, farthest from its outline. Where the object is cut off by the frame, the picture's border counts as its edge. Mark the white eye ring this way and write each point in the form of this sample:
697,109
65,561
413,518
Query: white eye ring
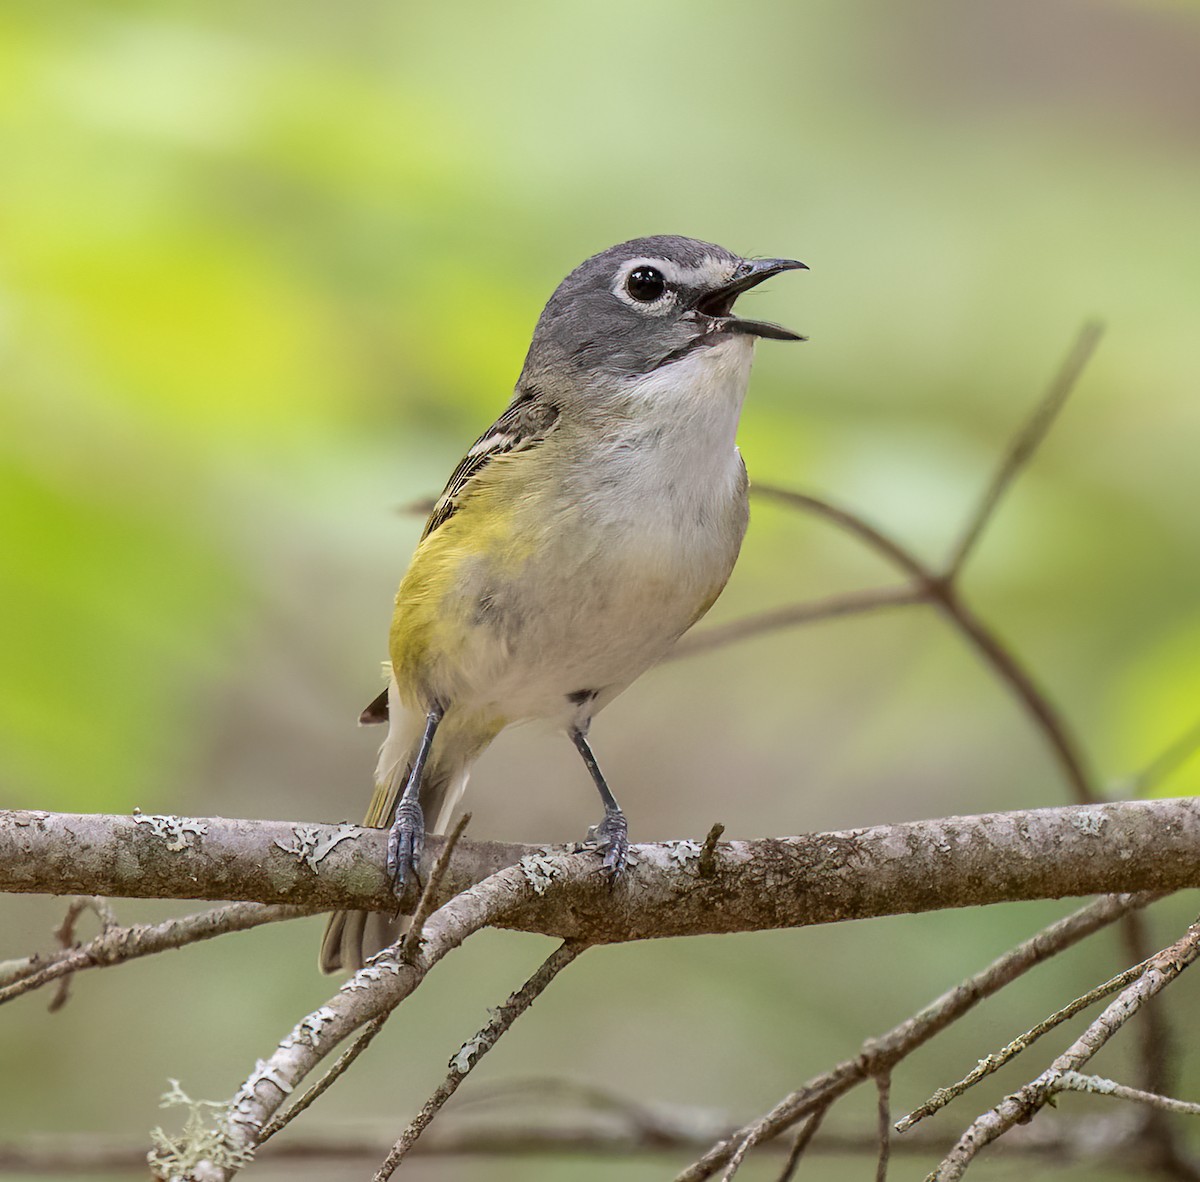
647,270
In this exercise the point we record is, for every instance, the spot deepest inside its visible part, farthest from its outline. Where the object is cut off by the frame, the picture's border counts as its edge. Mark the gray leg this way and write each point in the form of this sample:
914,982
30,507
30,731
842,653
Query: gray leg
613,832
407,837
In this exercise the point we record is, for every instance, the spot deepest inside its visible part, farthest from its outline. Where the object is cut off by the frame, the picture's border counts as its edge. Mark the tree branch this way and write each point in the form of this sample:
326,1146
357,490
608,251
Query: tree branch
1027,441
78,1155
117,944
883,1053
992,1063
472,1051
753,885
853,603
1025,1103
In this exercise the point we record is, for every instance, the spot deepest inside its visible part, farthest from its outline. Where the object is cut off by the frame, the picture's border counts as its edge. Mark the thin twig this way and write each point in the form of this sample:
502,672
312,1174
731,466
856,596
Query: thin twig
739,1154
936,589
78,1155
1156,1055
707,862
65,935
1073,1081
993,1063
474,1050
97,904
883,1084
853,603
117,944
427,904
883,1053
808,1130
1023,1104
649,1121
899,556
362,1040
1026,442
1049,722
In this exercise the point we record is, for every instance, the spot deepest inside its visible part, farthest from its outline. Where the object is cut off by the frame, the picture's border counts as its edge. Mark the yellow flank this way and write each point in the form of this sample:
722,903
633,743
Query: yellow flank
429,629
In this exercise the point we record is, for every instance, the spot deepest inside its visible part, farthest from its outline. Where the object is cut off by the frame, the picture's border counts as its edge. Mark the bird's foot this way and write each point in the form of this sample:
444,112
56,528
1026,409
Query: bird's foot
406,841
612,836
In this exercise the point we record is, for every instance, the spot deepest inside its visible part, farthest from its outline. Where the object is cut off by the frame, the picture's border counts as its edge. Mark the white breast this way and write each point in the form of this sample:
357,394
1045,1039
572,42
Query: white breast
637,537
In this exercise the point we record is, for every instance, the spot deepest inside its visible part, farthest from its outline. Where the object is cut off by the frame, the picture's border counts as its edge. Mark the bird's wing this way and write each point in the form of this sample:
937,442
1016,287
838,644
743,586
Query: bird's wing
527,421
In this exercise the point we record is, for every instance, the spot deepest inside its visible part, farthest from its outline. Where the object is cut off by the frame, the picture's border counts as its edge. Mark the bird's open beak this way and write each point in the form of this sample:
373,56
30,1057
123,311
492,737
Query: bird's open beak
718,305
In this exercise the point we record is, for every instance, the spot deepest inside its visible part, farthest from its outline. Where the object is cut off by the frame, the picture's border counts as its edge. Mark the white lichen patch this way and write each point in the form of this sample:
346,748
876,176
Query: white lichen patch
377,971
683,852
308,1030
310,844
244,1106
461,1062
1089,821
538,870
175,829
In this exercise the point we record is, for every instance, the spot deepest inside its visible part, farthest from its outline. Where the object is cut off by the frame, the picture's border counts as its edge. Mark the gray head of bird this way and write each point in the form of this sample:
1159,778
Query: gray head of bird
645,304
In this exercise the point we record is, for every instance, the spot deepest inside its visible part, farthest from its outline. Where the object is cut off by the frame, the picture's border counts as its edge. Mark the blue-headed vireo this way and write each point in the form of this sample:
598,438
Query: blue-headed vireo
586,530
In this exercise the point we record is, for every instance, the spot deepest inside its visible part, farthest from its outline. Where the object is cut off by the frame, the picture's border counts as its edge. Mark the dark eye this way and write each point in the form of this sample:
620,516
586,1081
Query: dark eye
645,284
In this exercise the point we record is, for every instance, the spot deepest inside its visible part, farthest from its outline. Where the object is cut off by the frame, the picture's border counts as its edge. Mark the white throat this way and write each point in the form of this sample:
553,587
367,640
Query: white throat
697,401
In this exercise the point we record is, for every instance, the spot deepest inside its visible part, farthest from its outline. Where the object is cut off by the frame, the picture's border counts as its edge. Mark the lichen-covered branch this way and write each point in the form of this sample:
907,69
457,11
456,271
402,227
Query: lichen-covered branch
747,885
216,1150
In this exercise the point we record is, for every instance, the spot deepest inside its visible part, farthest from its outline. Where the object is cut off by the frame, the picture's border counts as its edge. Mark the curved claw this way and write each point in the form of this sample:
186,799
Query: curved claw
406,842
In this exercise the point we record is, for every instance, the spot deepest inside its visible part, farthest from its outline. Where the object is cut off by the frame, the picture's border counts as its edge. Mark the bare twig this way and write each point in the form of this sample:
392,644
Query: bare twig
474,1050
1026,442
993,1063
883,1083
429,894
1048,720
708,851
940,591
881,1054
854,603
78,1155
117,944
873,537
1021,1105
65,935
97,904
800,1143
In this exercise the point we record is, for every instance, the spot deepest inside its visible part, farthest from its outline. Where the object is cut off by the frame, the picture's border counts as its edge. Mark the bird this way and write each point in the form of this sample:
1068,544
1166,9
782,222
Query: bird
590,526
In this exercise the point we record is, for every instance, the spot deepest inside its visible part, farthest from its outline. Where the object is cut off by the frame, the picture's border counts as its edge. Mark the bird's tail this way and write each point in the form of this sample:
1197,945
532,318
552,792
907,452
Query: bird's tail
352,936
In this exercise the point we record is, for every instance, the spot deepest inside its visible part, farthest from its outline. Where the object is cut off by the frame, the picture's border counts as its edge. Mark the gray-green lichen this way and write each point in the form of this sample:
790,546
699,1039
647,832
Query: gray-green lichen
310,846
205,1151
175,829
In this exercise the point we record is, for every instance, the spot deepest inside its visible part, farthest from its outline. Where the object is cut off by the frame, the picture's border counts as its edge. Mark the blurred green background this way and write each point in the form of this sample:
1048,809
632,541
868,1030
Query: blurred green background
267,268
